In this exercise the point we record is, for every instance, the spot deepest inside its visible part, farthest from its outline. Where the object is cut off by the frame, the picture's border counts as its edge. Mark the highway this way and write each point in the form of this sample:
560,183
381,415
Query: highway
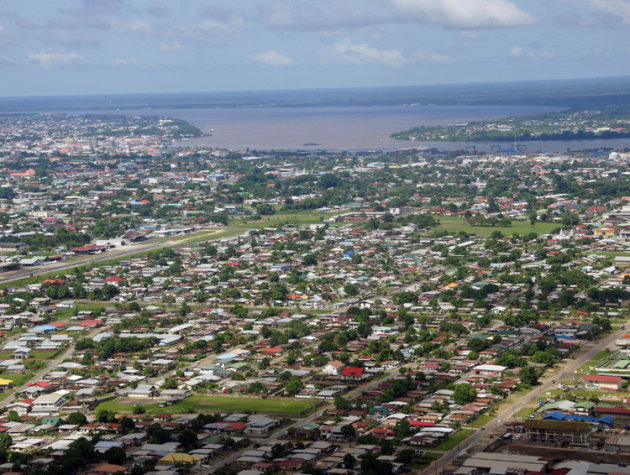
550,382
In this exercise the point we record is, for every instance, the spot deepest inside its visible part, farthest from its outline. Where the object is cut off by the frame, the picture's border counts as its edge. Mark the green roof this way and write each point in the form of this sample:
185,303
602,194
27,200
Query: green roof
51,420
213,439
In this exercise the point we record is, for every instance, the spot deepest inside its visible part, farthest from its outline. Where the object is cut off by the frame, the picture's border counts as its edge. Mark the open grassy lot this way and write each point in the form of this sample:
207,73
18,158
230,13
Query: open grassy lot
214,403
18,379
525,412
454,224
454,440
482,420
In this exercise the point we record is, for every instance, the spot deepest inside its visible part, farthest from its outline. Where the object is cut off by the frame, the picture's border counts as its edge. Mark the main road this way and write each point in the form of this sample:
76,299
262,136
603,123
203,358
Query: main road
520,403
124,251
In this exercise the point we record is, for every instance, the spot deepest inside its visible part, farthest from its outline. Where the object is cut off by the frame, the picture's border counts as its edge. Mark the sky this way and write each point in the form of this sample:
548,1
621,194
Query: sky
53,47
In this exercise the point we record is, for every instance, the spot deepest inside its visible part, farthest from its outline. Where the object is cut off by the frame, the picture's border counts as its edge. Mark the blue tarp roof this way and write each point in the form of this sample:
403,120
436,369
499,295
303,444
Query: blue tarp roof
559,416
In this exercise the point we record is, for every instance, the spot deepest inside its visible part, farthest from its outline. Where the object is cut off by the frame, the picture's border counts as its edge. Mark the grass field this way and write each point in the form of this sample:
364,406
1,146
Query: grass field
214,403
595,361
525,412
481,420
454,225
454,440
18,379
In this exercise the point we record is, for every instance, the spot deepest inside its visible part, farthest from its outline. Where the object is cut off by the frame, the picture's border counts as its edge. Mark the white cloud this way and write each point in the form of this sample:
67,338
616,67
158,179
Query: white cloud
519,52
468,13
272,58
5,36
616,10
4,61
209,31
125,63
362,53
427,57
132,27
170,47
52,59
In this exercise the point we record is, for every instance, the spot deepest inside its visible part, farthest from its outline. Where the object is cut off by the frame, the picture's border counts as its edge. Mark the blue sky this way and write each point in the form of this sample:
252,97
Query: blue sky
126,46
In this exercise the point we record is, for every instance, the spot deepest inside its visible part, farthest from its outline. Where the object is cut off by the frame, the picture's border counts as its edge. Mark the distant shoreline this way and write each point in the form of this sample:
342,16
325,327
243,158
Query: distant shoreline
555,93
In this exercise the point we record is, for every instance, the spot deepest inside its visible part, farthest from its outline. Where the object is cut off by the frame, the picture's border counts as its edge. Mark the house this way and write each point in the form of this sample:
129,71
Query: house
115,280
333,368
174,395
259,425
355,374
5,384
606,231
604,383
108,469
490,370
331,433
143,391
49,403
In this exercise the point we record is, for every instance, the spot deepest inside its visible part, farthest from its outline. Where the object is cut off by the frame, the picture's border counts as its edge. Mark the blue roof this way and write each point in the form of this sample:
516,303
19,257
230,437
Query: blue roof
45,328
555,415
559,416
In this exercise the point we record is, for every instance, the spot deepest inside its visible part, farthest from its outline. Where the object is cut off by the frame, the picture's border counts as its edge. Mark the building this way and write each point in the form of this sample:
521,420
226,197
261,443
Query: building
333,368
49,403
143,391
331,433
490,370
259,425
603,383
487,462
559,433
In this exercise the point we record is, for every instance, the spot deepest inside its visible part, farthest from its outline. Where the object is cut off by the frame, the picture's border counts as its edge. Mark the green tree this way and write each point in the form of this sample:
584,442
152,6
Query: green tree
528,376
5,441
115,455
464,393
77,418
349,461
13,416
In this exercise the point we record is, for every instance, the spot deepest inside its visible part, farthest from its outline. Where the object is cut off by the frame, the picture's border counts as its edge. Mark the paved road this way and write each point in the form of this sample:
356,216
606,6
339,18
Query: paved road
127,250
549,383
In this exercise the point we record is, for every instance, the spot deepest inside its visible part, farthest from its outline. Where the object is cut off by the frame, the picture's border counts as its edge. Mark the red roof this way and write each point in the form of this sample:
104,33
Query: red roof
421,423
238,425
272,351
114,278
91,323
602,379
352,372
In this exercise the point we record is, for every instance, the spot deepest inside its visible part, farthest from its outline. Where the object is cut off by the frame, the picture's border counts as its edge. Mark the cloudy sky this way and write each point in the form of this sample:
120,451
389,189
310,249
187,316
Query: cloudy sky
126,46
